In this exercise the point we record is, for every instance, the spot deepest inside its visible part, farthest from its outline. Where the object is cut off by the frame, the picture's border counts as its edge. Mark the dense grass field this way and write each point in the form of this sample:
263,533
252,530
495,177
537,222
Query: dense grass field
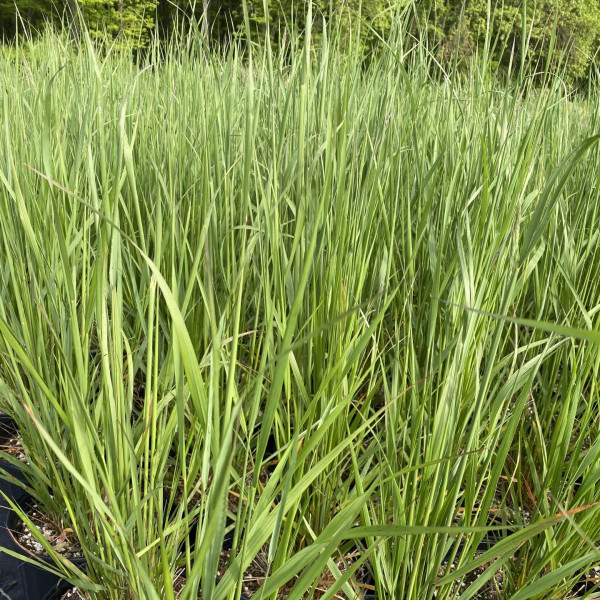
343,312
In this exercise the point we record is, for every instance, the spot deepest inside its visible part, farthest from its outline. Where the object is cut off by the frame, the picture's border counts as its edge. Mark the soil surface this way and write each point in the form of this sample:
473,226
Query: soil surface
254,577
61,538
74,594
11,444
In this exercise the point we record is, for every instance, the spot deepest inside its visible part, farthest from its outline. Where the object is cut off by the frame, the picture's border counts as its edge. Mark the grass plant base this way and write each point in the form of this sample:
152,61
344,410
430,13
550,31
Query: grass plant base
62,539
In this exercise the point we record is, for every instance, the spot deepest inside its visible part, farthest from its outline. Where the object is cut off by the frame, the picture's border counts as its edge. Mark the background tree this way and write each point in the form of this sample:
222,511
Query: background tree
456,29
282,14
24,16
555,30
127,23
73,16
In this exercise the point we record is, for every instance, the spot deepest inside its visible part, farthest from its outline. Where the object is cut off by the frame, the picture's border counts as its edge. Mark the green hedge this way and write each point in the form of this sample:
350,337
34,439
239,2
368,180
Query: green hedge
538,34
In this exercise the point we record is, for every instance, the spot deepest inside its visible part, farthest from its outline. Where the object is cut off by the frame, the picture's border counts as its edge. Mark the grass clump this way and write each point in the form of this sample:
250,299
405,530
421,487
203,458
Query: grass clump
311,305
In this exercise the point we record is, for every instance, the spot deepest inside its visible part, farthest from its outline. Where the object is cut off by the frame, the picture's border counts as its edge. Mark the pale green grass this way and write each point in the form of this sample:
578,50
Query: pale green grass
199,253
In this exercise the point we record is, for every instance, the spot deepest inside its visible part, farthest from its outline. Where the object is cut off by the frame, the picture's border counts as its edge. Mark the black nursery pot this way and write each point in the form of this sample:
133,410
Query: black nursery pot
19,579
57,593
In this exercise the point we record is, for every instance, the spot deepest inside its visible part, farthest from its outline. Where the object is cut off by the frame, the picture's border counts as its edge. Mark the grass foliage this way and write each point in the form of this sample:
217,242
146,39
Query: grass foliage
378,281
